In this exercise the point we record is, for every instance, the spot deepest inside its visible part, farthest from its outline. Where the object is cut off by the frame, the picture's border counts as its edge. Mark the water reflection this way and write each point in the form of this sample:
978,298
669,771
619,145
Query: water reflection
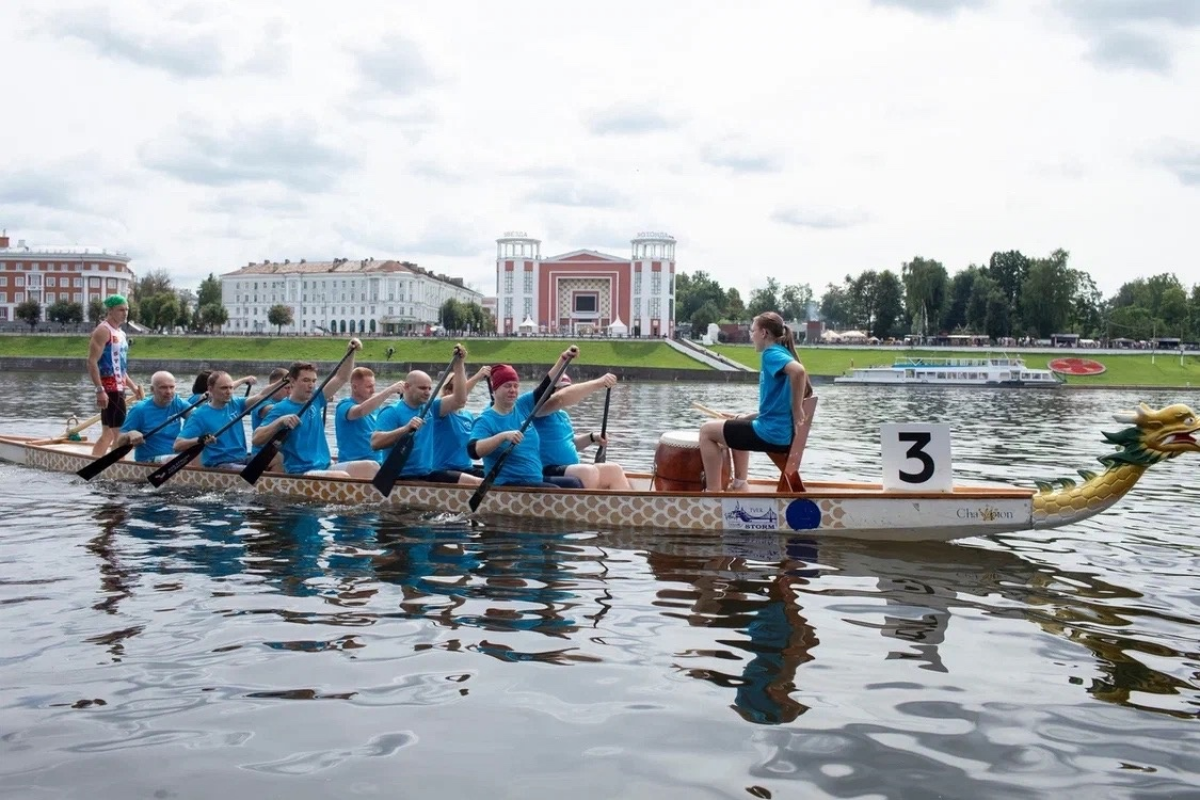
767,606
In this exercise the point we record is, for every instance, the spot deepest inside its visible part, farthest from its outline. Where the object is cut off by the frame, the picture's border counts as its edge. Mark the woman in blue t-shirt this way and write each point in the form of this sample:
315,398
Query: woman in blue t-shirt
782,386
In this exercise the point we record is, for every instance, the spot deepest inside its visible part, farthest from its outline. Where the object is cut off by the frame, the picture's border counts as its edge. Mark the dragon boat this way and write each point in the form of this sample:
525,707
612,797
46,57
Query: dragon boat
855,510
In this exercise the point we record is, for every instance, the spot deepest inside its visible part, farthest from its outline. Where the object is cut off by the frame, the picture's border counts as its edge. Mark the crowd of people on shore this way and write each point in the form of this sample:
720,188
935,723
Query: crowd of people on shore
523,438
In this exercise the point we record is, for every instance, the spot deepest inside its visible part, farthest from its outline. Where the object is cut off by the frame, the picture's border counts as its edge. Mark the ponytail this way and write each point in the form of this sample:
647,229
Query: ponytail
789,341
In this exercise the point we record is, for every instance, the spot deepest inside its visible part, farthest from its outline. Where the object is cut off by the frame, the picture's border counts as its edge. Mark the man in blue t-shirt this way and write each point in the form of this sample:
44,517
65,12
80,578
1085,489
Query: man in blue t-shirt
148,414
450,434
306,450
403,418
356,417
226,448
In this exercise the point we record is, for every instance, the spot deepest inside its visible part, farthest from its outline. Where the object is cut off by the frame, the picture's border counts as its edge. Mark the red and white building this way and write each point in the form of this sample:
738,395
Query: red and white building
585,291
55,274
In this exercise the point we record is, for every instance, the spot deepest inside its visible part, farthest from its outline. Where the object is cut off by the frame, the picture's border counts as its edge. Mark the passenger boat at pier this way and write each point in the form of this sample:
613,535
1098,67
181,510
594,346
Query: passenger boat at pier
991,371
858,510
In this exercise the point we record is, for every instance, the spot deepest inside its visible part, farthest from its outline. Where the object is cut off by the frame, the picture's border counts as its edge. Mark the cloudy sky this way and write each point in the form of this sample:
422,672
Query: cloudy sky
803,139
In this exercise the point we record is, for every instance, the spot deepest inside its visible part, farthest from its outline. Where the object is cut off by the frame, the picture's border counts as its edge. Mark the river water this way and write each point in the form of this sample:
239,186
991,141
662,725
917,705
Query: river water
161,644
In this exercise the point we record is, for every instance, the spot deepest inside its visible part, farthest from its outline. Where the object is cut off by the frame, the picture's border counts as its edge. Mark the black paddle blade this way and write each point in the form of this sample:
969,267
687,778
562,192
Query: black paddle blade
166,471
102,463
480,493
258,465
393,465
601,454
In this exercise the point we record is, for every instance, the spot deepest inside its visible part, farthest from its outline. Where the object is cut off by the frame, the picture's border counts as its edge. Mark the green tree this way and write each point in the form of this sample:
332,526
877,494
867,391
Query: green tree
862,294
704,316
157,281
213,316
29,312
1009,271
452,315
167,312
793,303
1087,307
184,318
925,282
1047,295
57,312
983,288
209,292
279,315
693,291
764,299
954,316
95,310
733,306
835,306
889,305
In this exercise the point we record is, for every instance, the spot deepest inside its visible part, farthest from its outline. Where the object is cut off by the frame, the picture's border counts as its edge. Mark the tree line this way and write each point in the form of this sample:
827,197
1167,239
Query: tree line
1013,295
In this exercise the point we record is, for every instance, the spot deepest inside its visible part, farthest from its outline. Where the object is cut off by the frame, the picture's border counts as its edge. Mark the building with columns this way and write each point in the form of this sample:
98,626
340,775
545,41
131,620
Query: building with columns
52,274
339,296
585,291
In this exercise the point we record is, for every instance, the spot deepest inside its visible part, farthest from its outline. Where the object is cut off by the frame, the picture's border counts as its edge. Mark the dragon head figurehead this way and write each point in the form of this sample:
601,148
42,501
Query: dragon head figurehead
1156,435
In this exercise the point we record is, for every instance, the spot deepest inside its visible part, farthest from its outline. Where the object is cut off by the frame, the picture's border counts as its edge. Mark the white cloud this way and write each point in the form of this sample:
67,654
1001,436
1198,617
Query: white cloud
835,137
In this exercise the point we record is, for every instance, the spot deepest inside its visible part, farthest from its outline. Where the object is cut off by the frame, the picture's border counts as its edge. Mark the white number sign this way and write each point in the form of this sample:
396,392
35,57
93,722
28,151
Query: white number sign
916,457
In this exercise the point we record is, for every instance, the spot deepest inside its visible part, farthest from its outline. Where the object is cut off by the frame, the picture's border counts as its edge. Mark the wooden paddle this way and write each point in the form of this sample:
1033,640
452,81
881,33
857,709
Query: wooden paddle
486,486
166,471
712,412
393,465
258,465
602,451
105,461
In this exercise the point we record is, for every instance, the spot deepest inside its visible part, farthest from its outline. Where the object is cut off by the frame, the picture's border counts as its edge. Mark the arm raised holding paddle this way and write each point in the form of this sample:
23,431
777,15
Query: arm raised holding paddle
410,456
561,445
294,427
502,435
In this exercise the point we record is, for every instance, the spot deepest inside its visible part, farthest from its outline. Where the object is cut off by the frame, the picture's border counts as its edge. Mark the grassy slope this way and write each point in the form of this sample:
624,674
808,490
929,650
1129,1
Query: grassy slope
279,349
1122,369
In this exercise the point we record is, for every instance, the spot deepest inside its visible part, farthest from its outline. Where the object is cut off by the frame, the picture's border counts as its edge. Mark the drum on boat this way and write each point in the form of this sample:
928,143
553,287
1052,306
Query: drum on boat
678,466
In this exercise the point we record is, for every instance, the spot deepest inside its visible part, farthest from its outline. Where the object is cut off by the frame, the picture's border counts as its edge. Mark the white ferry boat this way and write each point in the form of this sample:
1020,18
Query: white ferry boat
995,371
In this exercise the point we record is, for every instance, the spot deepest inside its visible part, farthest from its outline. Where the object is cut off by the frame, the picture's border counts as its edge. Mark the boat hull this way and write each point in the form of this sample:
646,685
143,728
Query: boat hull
842,510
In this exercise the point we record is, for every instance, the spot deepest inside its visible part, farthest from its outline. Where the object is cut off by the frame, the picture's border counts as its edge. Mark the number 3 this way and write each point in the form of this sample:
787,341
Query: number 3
919,439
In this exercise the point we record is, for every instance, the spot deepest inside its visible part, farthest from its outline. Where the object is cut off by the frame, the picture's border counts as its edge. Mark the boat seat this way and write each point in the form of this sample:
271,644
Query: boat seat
789,462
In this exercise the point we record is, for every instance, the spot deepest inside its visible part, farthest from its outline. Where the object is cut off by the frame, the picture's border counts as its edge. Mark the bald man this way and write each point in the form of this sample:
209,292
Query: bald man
403,418
147,415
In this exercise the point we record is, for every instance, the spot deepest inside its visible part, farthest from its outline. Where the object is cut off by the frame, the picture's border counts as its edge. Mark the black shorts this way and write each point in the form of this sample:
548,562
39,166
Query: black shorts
452,475
554,470
113,415
740,435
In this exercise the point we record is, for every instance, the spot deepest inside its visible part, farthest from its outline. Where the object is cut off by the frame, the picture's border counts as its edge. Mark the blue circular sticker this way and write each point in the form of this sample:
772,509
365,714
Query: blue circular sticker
803,515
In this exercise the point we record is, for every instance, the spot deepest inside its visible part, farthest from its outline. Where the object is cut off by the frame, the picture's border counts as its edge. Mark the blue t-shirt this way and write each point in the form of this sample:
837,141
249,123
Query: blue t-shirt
144,417
305,448
558,439
450,436
231,445
420,458
774,422
524,463
354,435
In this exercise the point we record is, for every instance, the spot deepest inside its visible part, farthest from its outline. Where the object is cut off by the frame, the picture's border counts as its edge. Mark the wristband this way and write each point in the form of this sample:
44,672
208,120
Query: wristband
592,437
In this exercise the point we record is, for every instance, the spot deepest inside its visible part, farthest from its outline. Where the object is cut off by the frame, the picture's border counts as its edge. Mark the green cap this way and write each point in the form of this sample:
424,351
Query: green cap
114,300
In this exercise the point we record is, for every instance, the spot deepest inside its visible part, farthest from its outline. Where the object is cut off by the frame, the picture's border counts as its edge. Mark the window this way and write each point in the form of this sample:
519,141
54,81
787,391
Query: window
51,281
508,306
637,282
528,309
528,281
656,283
51,298
20,280
508,282
3,297
94,283
19,297
79,297
79,283
95,266
586,302
3,280
655,308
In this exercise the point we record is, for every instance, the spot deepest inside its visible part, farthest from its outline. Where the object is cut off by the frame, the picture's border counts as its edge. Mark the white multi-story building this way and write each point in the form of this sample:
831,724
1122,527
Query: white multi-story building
339,296
56,274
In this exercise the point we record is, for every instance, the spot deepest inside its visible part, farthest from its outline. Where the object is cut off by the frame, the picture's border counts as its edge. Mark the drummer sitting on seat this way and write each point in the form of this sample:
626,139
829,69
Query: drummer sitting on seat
782,386
500,424
561,445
